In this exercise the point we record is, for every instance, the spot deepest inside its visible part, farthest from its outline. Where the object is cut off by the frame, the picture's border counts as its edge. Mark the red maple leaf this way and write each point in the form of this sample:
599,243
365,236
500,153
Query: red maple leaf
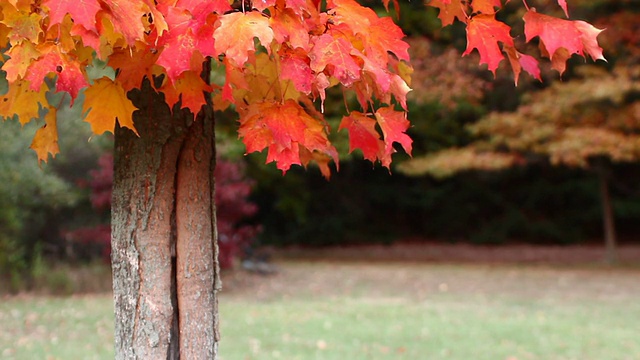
394,125
289,27
83,12
70,76
201,9
363,135
333,54
575,37
294,65
185,36
484,33
283,129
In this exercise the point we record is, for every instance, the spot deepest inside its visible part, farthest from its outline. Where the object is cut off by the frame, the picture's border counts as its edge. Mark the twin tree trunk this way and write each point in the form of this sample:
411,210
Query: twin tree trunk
164,249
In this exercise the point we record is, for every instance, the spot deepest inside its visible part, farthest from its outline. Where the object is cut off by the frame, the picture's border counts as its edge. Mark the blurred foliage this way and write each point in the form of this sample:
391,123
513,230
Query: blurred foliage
29,195
39,202
538,203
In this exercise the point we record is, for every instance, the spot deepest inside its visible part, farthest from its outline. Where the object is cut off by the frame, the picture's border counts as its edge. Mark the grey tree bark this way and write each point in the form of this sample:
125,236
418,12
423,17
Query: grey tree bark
164,249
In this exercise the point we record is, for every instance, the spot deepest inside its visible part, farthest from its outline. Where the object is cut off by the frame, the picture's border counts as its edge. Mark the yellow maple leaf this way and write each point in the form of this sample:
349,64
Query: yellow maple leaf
21,57
22,101
105,101
45,141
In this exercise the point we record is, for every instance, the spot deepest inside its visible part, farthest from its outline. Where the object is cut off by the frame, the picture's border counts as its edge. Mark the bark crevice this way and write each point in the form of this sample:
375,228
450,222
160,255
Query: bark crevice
145,236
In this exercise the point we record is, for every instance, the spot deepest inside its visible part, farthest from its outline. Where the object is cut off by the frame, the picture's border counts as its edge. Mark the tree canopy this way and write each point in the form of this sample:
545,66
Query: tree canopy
278,58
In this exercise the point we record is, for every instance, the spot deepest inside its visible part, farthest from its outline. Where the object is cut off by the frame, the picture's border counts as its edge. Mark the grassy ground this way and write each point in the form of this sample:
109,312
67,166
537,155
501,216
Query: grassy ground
364,310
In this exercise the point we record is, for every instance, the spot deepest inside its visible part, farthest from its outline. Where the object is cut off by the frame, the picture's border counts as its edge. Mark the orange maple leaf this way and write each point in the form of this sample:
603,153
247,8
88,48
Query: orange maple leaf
190,89
485,6
449,11
20,100
105,102
234,37
45,141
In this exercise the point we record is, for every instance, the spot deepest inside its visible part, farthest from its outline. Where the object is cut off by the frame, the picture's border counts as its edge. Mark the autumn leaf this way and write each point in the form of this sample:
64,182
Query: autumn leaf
127,17
188,88
105,102
521,61
575,37
449,11
234,78
334,55
201,9
394,125
45,141
363,135
283,129
70,76
83,12
234,37
21,55
186,36
399,89
20,100
289,27
563,5
294,65
132,66
384,36
485,6
24,26
484,33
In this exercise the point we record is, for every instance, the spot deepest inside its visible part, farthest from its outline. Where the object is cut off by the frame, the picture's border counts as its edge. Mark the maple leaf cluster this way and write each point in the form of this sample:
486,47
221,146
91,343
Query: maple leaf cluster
279,57
559,39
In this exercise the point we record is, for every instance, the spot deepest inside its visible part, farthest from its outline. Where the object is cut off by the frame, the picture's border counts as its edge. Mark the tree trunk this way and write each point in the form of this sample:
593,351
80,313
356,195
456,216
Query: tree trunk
165,307
608,222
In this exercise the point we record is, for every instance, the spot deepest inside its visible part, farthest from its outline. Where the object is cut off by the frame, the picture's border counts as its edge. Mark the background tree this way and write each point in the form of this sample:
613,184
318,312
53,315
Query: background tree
28,196
581,123
163,53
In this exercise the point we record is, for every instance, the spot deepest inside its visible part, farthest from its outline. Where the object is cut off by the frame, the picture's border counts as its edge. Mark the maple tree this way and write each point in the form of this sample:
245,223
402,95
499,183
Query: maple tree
279,58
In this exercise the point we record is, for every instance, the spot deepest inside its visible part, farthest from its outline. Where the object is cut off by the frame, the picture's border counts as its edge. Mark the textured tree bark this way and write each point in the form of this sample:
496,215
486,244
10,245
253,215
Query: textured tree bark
146,282
196,269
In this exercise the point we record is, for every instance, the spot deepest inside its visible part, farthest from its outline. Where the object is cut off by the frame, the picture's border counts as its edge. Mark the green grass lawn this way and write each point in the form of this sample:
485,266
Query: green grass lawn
374,311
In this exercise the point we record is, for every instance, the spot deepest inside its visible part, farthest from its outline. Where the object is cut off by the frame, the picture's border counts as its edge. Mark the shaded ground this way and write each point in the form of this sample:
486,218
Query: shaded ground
415,281
467,253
